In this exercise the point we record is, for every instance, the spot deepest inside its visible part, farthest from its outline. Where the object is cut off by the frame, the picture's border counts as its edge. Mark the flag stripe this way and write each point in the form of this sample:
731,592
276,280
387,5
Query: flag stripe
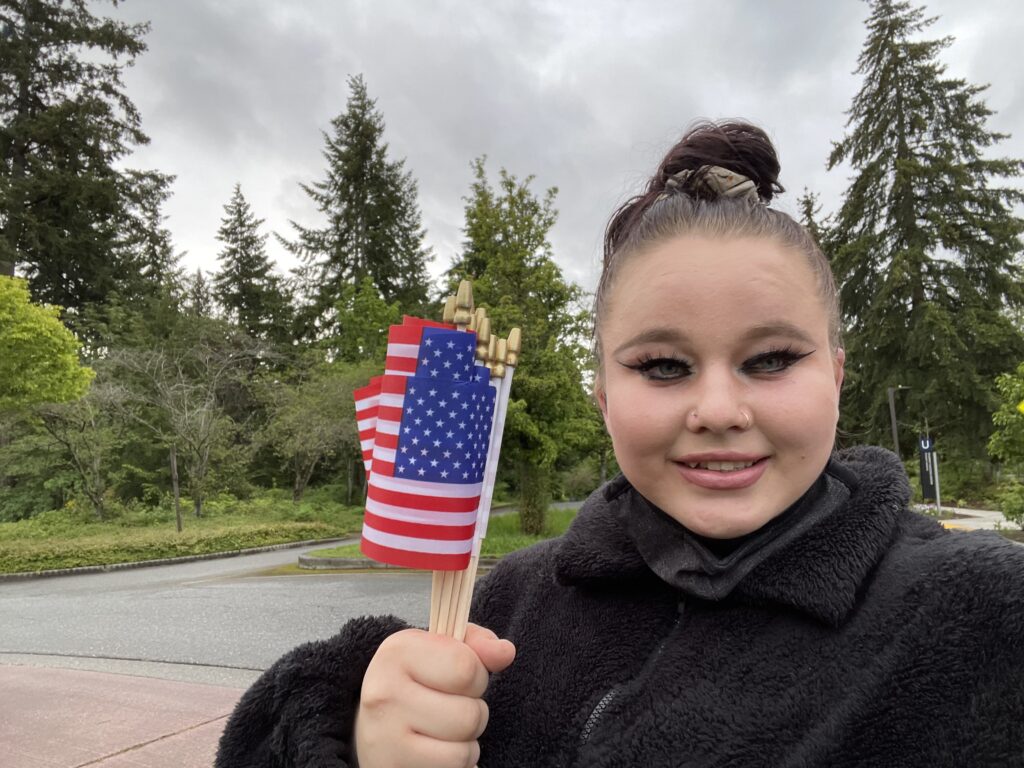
402,495
438,490
420,516
412,544
417,530
406,559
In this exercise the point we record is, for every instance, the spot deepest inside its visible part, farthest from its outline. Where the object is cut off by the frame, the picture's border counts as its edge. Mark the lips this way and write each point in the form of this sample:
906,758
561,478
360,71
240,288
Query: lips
721,473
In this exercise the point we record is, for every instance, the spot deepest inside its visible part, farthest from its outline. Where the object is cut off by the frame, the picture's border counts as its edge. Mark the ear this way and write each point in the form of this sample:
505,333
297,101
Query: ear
602,398
838,370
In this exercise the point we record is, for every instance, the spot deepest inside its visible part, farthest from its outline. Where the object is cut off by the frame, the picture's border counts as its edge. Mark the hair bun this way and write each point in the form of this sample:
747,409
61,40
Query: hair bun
734,145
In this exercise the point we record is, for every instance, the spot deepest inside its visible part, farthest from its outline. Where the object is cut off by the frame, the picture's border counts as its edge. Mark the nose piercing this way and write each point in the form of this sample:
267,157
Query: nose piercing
747,417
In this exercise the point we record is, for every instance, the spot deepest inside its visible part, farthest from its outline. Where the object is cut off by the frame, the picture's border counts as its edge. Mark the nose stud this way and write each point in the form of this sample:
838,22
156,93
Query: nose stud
747,417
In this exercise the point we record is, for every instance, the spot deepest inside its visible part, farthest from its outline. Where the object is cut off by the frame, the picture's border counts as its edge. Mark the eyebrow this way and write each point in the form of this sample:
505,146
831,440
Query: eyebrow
755,333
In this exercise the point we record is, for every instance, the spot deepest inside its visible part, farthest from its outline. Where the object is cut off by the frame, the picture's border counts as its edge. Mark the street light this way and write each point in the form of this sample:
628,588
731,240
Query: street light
892,415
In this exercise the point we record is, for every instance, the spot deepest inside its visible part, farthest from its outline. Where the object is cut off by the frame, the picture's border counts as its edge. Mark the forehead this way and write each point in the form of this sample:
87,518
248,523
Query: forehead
714,284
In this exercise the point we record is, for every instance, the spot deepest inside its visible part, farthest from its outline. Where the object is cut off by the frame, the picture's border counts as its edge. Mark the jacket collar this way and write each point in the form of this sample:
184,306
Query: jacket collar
818,570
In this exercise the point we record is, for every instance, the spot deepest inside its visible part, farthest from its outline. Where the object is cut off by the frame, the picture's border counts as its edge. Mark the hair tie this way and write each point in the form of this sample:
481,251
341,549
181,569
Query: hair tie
711,182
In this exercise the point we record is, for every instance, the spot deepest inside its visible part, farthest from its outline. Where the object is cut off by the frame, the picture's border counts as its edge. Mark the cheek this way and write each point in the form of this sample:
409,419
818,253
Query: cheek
640,422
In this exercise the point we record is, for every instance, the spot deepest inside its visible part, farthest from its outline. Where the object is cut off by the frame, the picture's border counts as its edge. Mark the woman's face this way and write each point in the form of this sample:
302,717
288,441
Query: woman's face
718,385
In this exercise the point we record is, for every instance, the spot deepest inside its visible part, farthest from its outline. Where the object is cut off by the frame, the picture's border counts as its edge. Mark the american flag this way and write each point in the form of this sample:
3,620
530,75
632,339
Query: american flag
430,445
367,401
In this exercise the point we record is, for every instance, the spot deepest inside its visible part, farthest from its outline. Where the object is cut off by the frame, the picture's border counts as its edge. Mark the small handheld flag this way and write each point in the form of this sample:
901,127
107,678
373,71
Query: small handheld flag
430,434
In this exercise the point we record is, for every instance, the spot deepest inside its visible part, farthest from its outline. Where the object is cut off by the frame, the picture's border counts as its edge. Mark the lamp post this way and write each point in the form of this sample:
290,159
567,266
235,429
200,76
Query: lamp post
892,415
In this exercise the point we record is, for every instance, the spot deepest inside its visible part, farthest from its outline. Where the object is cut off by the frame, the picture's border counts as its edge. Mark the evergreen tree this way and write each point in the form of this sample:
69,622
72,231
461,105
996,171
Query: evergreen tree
508,257
373,224
198,298
246,287
925,241
65,126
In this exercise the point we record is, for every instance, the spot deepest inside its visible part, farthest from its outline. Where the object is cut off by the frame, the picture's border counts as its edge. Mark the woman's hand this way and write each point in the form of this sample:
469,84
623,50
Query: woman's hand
421,702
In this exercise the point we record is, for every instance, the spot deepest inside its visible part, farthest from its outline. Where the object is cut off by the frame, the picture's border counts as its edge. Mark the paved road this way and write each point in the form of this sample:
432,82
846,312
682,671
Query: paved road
216,621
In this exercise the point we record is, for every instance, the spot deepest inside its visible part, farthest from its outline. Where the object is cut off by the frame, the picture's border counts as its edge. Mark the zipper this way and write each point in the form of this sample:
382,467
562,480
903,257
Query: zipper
595,716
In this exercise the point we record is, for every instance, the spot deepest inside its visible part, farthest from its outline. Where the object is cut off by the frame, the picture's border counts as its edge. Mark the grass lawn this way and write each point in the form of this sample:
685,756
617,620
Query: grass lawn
503,535
70,538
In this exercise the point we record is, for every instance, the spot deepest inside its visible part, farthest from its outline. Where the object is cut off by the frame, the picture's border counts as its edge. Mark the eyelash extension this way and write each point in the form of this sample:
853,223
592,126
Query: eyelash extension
647,363
787,355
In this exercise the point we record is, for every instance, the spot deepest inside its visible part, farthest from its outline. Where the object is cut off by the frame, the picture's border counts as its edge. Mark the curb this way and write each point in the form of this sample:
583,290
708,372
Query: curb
166,560
364,564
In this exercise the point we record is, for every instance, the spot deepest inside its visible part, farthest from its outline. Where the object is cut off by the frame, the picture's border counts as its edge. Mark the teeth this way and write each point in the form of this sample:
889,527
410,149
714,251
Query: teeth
721,466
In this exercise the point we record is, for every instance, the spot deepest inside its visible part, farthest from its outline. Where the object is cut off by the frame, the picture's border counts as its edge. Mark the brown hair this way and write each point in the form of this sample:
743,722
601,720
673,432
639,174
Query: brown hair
668,209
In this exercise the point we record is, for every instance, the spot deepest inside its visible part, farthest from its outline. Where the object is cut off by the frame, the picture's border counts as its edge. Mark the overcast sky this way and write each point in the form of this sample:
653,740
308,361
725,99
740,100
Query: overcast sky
586,95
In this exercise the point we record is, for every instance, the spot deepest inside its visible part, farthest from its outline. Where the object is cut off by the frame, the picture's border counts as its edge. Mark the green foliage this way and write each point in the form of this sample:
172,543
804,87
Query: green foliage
1011,501
1007,441
925,241
363,320
507,256
38,355
71,215
534,497
246,286
313,418
70,537
373,224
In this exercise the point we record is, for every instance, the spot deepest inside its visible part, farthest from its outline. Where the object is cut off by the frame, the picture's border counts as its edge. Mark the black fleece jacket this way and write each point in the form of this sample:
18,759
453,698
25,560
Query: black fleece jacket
872,638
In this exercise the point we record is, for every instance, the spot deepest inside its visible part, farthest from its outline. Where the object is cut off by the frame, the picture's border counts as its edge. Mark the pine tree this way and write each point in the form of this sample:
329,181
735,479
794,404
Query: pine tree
198,300
925,241
246,287
65,124
373,224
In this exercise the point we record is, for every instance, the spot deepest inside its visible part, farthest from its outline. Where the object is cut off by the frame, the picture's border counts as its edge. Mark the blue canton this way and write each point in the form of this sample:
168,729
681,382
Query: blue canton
446,414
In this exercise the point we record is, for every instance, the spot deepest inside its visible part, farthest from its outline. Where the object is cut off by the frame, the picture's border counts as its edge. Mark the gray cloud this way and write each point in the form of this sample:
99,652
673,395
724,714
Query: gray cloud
586,96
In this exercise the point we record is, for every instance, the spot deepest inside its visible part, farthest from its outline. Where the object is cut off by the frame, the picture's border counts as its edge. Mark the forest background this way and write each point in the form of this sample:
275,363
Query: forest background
135,393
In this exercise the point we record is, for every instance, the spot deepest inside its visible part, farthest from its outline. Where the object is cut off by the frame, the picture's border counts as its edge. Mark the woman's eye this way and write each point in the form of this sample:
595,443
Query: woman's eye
662,368
773,362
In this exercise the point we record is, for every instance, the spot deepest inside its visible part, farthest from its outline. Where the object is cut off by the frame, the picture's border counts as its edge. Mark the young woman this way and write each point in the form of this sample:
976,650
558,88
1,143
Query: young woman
740,596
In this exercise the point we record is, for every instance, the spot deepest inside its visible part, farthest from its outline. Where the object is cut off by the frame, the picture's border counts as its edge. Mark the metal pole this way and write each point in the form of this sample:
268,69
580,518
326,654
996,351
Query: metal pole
892,416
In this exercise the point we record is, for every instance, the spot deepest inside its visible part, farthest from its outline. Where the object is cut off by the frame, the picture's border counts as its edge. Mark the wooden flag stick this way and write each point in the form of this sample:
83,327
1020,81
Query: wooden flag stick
507,357
446,585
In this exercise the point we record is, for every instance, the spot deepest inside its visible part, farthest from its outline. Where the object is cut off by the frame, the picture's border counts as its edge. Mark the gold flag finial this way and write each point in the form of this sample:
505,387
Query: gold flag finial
448,314
501,349
483,338
515,347
464,304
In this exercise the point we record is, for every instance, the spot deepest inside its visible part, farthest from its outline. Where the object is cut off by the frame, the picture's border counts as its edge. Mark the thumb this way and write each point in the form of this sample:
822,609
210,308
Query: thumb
494,653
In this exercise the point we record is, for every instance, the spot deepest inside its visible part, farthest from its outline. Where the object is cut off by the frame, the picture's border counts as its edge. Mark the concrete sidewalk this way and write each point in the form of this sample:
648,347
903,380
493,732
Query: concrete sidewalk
70,718
975,519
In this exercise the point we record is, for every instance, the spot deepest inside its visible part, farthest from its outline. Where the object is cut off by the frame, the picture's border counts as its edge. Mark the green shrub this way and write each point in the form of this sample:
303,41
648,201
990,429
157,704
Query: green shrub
1011,501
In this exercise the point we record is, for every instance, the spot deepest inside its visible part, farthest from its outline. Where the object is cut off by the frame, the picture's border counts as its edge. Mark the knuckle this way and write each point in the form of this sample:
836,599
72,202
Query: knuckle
483,715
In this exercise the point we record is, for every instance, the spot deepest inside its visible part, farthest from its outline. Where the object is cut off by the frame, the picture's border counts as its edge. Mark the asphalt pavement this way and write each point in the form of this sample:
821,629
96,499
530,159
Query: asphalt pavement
140,668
